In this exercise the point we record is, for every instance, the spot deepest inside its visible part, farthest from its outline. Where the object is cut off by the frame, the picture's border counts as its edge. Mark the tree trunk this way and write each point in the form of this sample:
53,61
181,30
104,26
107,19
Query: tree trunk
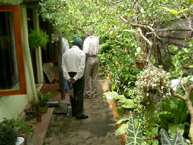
190,109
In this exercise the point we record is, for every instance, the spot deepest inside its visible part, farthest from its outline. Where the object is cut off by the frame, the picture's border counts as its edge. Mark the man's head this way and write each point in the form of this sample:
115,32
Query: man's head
54,37
77,41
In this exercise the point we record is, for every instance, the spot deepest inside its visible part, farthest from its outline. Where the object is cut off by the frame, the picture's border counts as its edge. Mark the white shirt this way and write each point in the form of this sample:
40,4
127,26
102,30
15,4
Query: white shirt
73,60
65,45
90,45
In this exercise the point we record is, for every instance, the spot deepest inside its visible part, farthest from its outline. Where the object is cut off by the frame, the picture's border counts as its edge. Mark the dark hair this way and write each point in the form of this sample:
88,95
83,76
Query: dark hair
79,45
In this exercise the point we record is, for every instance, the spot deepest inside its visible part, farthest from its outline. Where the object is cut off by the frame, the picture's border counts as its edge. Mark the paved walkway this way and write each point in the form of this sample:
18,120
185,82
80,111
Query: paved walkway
98,129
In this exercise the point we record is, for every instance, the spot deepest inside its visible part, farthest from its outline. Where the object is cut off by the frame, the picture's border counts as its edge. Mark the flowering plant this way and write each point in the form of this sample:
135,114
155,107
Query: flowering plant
154,79
120,68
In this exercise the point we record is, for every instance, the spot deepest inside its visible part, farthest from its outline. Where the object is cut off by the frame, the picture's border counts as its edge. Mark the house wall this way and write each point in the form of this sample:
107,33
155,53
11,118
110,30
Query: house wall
13,106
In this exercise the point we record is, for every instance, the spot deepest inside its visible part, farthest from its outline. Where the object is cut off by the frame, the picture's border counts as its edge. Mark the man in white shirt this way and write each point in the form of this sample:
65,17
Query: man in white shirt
90,48
73,65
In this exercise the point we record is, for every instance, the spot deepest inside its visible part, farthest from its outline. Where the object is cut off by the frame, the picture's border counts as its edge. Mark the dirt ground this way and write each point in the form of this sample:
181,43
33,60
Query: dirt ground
98,129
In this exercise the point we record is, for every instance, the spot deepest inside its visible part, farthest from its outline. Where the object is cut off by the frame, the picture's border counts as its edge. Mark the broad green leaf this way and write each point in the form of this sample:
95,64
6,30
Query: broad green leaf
134,134
123,118
178,140
165,140
121,129
120,110
172,129
190,66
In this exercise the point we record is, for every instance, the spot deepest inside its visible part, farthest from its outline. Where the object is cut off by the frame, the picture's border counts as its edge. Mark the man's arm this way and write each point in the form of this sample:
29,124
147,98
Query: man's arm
63,66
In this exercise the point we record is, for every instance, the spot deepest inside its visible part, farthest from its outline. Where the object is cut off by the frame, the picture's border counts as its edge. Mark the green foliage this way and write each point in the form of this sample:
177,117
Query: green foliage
178,140
35,106
126,103
8,136
176,67
174,113
104,15
183,56
120,68
22,125
43,99
121,129
26,127
134,134
12,122
38,39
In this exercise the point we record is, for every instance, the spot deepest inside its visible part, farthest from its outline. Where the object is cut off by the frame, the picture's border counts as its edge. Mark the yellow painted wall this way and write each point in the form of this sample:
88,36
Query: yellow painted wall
12,106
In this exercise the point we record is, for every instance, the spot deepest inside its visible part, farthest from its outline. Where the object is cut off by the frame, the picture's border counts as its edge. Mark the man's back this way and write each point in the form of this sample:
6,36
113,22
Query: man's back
91,44
72,57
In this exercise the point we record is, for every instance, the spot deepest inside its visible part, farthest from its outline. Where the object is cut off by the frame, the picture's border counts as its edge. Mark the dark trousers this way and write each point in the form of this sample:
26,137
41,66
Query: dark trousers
77,101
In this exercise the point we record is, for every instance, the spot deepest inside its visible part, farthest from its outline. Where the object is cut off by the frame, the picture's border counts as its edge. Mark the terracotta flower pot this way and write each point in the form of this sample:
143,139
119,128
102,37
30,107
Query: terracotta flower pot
39,118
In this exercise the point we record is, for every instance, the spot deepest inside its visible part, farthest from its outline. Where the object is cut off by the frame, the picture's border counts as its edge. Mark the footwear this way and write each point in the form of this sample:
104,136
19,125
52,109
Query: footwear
82,117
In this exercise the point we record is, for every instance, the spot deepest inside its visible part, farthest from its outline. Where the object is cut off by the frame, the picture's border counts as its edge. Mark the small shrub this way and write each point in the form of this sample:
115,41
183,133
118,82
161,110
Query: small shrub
8,136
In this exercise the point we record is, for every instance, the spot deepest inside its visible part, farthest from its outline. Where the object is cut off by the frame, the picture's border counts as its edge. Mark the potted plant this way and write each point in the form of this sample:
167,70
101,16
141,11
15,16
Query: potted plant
21,127
43,101
35,106
8,135
38,39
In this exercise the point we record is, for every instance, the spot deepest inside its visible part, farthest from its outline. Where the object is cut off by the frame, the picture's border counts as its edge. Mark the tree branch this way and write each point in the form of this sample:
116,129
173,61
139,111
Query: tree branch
177,95
141,34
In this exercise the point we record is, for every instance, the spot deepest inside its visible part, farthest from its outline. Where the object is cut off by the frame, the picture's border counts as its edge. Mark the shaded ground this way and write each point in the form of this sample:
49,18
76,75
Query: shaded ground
98,129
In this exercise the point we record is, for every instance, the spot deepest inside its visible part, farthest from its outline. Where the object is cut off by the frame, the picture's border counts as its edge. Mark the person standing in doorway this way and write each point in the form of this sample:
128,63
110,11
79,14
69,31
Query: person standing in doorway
73,65
90,48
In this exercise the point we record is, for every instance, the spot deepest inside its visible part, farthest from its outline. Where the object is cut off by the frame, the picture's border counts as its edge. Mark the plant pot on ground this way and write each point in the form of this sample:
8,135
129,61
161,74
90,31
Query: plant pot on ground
35,106
43,101
21,127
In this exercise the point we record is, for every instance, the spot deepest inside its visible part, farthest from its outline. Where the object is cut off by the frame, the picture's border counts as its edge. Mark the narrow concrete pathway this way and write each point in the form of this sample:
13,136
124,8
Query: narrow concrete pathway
98,129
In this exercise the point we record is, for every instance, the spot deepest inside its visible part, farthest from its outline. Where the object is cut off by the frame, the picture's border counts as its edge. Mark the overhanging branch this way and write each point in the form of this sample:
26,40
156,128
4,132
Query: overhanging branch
142,36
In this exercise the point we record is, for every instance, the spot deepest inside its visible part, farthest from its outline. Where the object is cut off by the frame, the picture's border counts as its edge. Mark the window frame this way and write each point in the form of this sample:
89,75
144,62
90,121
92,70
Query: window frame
15,9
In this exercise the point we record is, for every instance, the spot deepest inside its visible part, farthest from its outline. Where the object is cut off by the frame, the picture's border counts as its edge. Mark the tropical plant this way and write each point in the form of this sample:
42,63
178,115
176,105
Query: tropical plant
35,106
174,113
178,140
12,122
134,134
38,39
8,136
43,99
26,127
125,104
22,126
